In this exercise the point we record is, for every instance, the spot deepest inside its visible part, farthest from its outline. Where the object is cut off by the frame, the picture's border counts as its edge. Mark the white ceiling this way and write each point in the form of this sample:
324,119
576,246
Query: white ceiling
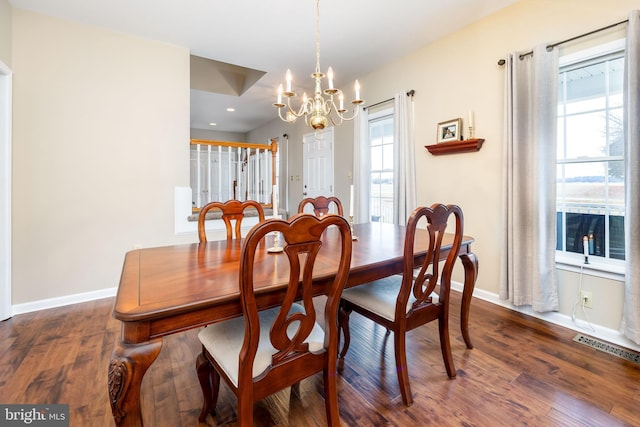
356,37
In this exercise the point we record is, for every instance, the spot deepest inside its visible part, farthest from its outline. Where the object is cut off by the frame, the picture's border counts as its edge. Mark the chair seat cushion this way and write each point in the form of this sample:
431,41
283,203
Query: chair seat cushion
223,341
319,304
380,296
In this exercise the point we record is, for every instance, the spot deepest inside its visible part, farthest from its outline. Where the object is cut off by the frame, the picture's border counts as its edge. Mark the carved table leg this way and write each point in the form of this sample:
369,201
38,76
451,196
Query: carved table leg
128,364
470,264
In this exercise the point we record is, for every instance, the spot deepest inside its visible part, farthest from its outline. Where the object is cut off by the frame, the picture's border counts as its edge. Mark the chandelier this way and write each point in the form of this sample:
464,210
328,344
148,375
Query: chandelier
320,109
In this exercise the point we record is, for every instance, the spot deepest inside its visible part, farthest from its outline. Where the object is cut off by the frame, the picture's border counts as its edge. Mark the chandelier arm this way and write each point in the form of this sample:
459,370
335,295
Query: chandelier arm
333,122
355,114
301,111
329,106
317,110
285,119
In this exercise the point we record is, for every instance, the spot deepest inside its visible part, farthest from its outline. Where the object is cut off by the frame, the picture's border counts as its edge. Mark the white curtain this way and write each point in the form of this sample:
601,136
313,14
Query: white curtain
405,184
361,167
528,275
631,311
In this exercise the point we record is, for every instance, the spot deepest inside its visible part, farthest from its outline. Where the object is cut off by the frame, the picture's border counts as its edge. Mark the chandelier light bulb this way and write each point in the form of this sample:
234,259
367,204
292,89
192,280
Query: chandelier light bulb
320,108
289,78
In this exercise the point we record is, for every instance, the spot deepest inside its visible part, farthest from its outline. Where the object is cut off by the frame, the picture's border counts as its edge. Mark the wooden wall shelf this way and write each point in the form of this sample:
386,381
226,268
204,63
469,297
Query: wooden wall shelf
464,146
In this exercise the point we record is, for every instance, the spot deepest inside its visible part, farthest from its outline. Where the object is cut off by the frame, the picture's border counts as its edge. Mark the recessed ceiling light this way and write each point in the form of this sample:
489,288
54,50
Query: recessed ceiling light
231,109
212,124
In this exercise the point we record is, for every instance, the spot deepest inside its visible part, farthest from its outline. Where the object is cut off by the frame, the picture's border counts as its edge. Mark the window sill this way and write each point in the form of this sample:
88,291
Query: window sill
594,268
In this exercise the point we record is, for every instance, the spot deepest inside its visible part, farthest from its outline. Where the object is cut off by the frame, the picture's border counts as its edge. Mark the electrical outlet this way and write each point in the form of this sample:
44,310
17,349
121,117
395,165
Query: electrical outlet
587,299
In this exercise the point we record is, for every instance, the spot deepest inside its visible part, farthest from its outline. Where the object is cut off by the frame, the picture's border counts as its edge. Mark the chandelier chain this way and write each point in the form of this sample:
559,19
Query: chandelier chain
317,36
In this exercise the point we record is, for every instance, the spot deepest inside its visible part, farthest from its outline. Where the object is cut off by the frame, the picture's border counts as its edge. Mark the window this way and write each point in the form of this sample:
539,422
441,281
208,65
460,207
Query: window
382,148
590,157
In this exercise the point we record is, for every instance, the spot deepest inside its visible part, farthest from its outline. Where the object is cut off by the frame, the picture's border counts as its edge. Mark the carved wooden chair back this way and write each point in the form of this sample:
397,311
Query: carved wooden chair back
232,210
404,302
321,205
267,350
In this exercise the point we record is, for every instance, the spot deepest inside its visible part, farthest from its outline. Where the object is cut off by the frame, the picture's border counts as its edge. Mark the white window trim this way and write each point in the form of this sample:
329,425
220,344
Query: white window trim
598,266
380,113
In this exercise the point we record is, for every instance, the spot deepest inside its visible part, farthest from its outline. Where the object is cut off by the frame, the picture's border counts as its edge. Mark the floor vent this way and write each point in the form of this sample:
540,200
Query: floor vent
621,352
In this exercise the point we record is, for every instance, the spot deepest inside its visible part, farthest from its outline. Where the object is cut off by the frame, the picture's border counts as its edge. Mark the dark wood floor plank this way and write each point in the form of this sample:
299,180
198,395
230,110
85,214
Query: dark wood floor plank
522,371
567,405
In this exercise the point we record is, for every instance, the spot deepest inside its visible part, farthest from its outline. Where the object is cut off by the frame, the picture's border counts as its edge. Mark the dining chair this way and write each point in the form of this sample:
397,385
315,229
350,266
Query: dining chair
321,205
265,351
406,301
232,210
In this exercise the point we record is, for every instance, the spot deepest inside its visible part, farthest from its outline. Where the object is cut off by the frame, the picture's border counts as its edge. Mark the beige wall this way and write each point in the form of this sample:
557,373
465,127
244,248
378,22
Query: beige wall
101,131
295,132
343,156
100,119
459,73
5,32
218,136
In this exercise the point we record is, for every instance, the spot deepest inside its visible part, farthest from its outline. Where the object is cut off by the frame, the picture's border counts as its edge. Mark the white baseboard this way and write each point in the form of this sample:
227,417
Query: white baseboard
610,335
62,301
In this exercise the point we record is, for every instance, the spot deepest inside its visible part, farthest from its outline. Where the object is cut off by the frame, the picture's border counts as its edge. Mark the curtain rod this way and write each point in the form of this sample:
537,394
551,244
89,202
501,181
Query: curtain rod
551,46
409,93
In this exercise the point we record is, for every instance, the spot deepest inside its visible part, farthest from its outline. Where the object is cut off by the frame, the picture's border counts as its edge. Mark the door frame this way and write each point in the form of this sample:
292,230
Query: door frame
6,91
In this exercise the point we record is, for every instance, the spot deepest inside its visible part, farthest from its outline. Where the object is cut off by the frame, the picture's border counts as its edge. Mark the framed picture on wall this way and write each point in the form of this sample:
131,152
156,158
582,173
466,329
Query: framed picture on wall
450,130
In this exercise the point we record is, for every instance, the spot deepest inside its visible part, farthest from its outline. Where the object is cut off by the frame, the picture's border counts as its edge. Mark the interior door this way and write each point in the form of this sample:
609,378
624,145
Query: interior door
317,172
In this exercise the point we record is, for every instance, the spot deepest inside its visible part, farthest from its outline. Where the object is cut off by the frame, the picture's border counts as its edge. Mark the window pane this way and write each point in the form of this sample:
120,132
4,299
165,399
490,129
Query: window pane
585,135
584,88
580,186
616,240
559,222
616,100
616,133
386,197
616,187
375,133
580,225
561,139
374,207
381,203
616,79
585,105
381,197
387,156
376,158
388,130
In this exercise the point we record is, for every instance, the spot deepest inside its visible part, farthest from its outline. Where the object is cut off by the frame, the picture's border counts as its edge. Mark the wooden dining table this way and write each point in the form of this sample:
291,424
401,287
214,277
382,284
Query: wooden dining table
171,289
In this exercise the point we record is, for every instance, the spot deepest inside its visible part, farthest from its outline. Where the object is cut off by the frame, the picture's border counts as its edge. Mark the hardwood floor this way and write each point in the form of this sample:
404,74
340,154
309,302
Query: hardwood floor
522,371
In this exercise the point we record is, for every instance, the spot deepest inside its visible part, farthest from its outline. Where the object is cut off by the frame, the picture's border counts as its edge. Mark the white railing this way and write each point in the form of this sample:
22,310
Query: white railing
222,170
382,209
